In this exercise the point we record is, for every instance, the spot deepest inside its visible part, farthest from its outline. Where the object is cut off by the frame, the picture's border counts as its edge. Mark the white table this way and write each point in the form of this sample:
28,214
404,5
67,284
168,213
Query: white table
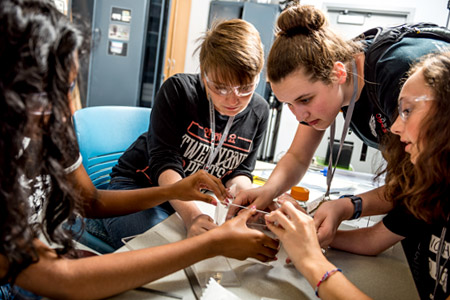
386,276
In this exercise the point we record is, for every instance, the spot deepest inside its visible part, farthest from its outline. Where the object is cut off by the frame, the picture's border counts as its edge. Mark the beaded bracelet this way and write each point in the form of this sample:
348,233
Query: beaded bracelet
325,277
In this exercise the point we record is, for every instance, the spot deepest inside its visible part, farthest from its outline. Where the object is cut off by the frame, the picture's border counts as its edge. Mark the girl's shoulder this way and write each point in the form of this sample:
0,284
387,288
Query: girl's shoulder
259,105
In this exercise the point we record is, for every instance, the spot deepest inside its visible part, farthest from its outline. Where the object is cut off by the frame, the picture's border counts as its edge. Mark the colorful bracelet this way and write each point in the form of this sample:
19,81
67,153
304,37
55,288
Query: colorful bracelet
325,277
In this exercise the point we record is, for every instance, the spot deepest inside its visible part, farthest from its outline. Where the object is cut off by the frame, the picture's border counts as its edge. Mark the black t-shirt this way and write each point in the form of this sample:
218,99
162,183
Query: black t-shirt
179,136
370,121
421,246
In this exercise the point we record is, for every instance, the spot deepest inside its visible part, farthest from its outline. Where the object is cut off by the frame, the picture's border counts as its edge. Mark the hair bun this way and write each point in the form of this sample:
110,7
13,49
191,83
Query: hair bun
300,19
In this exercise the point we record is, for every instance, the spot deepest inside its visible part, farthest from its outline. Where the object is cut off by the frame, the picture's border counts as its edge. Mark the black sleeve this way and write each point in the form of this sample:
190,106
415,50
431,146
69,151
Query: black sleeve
390,76
164,135
400,221
261,114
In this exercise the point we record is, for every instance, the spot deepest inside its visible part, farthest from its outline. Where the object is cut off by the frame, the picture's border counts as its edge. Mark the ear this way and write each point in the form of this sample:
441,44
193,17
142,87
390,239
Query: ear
339,73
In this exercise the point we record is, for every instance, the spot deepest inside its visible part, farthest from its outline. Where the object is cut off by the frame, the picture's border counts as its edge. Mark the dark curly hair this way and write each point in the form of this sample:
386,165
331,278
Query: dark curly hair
37,50
424,187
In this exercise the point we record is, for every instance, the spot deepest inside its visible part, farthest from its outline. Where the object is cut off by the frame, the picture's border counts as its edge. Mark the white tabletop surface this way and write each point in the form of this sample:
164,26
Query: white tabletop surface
386,276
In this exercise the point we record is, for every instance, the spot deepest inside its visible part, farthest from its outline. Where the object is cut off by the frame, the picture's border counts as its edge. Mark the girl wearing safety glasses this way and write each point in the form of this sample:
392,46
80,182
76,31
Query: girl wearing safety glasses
213,121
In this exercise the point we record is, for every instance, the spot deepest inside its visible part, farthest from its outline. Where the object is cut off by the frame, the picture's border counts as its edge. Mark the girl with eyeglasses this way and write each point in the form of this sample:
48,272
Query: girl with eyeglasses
417,184
212,121
43,183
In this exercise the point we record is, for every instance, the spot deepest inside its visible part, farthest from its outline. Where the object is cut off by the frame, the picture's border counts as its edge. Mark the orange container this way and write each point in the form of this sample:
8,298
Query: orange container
300,193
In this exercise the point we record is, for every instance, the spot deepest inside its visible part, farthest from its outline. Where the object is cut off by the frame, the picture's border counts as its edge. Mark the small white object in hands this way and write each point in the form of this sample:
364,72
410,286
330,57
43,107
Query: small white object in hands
222,207
221,213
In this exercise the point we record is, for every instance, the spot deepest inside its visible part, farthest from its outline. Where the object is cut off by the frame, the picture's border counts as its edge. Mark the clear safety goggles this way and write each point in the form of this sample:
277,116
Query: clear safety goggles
240,90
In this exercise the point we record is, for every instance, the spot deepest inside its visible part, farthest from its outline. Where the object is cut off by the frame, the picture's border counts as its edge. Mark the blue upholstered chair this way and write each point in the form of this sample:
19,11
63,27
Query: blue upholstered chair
104,133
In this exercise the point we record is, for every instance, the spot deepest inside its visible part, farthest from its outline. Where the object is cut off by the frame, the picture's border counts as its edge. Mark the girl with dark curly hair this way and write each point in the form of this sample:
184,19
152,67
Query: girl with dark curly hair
43,183
417,182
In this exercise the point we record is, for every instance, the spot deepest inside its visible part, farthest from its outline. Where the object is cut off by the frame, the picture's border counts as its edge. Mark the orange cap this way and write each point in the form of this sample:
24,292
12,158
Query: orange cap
300,193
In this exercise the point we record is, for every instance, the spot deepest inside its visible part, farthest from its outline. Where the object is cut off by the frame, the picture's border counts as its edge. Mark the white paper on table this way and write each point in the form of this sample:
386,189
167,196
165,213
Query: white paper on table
152,239
215,291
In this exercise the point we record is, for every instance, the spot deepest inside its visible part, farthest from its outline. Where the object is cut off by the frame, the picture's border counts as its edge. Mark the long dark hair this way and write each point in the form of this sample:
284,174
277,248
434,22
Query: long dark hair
424,187
37,50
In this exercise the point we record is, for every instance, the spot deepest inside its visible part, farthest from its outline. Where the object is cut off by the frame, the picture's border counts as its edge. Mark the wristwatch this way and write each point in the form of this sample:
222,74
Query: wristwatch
357,203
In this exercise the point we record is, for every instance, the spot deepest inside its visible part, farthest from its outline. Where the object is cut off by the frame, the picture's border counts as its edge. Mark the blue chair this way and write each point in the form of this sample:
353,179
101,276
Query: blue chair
104,133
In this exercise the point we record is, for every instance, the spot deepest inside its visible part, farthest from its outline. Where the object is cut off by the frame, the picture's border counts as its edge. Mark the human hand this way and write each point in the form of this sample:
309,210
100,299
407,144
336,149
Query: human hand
237,241
327,219
190,188
288,198
297,232
201,224
258,197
